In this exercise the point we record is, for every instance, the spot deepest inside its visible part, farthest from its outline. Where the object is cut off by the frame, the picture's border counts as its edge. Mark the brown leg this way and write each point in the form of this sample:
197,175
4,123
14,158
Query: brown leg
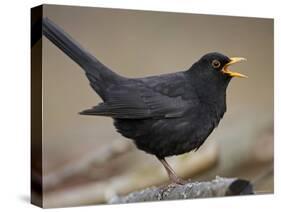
171,173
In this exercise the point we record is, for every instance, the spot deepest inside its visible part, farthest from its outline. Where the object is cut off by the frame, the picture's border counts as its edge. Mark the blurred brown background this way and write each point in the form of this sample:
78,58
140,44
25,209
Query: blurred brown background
143,43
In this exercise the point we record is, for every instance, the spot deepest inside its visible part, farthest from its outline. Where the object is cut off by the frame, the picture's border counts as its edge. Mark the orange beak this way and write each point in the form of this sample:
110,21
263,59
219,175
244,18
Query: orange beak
233,60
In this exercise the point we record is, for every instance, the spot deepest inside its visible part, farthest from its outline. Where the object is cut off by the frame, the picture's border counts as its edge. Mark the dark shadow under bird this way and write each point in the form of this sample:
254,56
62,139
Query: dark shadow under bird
164,115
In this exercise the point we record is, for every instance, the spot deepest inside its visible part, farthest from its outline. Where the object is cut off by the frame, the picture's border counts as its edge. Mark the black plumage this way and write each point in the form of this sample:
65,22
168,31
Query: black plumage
164,115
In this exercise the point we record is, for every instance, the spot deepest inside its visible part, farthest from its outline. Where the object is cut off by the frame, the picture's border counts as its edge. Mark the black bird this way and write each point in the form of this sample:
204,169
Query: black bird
164,115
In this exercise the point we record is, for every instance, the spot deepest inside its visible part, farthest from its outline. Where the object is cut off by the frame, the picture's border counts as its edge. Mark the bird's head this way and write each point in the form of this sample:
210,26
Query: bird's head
211,75
217,65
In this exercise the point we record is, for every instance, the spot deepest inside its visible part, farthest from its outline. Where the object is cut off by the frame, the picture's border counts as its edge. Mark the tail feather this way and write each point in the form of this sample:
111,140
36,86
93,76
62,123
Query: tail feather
98,74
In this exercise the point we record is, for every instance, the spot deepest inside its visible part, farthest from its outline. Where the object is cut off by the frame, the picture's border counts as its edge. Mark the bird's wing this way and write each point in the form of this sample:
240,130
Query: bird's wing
166,96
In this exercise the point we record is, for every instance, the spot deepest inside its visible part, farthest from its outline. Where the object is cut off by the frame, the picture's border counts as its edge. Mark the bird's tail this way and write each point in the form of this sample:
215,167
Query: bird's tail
98,74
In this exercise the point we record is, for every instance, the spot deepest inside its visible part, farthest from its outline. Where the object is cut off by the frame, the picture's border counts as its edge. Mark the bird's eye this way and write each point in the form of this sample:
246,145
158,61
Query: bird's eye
216,63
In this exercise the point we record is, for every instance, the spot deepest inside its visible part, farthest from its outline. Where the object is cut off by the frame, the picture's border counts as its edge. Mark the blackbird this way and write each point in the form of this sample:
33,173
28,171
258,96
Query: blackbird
165,115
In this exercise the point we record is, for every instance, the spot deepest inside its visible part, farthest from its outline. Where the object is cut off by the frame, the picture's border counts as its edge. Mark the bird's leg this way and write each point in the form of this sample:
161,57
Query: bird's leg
171,173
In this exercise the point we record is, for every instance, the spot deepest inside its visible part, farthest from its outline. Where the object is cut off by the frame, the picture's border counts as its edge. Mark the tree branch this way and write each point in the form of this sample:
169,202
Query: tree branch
218,187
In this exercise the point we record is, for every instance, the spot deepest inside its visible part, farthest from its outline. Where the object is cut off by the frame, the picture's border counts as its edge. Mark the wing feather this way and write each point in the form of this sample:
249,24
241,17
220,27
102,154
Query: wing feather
167,96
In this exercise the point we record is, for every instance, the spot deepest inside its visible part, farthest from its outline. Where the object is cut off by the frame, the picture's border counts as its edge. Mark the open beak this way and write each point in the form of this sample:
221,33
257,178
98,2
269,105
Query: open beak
233,60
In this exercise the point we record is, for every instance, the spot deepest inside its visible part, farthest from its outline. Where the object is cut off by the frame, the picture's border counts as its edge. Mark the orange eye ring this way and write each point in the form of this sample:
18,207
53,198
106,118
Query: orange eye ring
216,63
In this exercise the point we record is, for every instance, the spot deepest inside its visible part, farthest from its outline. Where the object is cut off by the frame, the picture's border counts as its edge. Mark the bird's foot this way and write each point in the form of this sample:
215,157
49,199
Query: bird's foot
177,180
172,175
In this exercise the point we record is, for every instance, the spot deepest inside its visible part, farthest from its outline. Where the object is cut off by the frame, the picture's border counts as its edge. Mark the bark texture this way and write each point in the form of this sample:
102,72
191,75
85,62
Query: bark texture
218,187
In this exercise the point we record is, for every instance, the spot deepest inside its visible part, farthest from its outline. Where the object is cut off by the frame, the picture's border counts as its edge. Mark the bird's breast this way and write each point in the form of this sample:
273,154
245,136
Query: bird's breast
173,136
